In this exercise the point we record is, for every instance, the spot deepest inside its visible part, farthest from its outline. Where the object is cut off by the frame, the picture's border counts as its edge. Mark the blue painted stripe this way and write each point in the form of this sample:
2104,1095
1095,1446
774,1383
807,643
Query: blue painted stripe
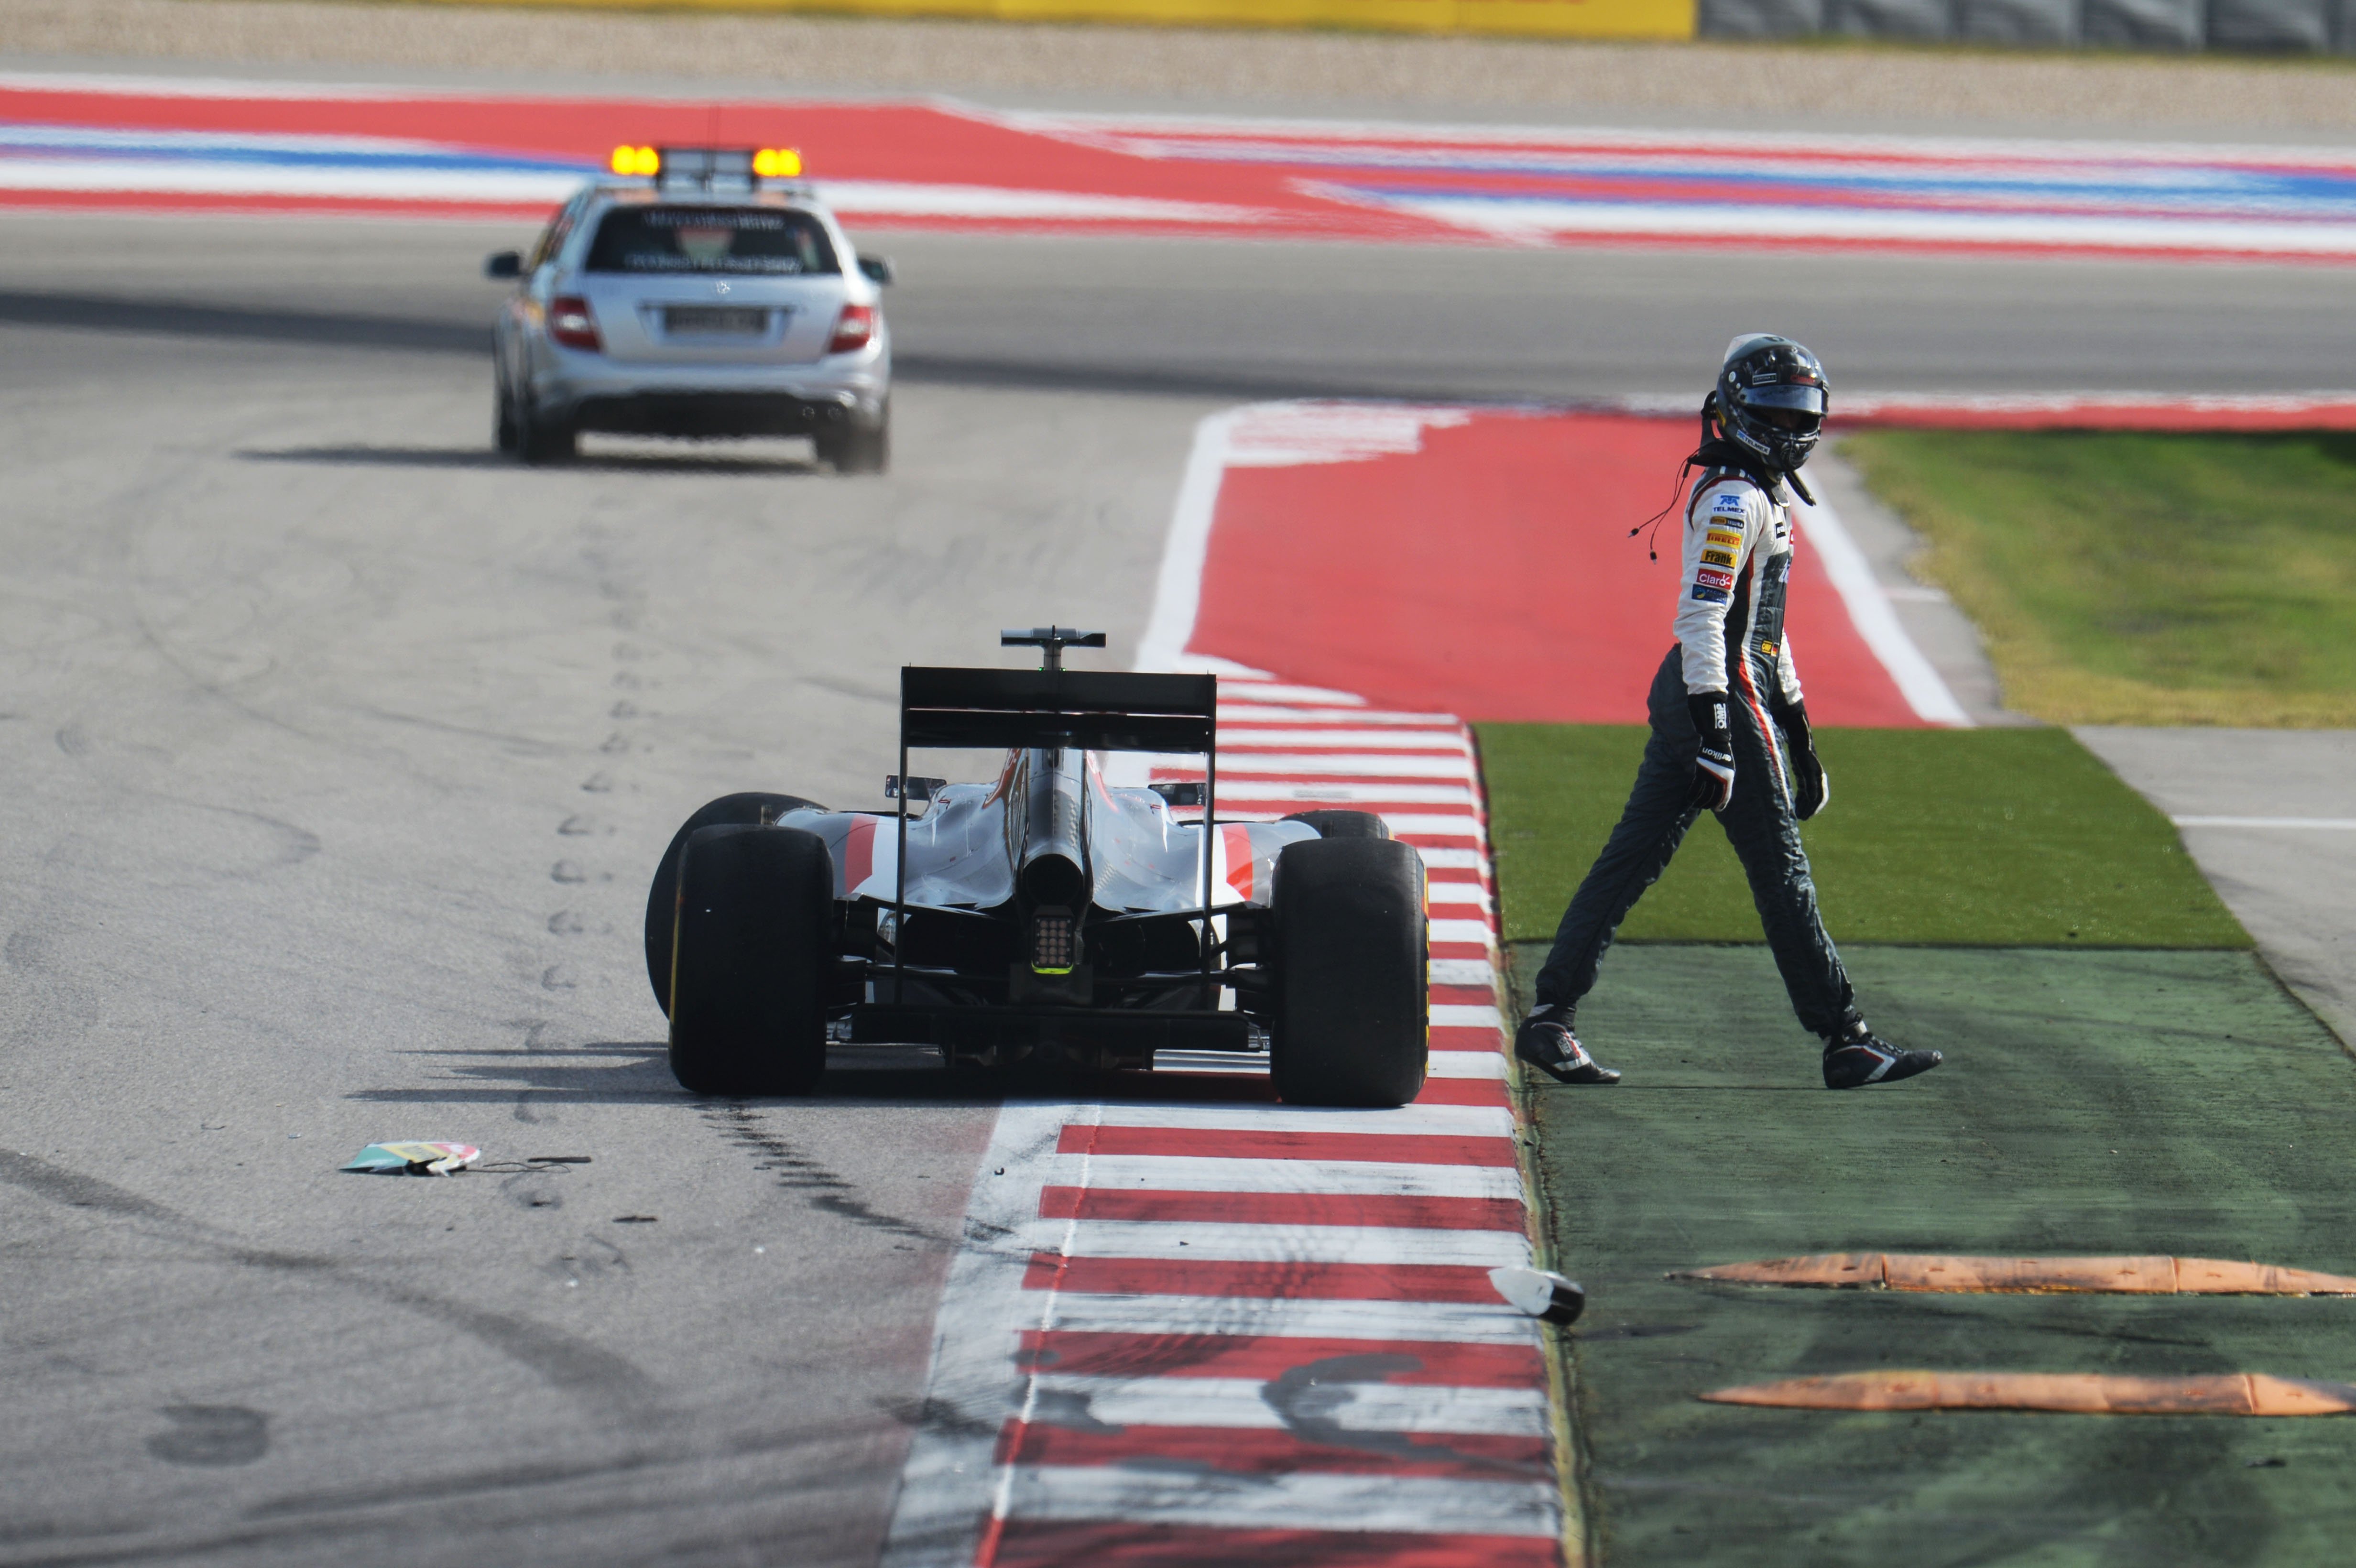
289,152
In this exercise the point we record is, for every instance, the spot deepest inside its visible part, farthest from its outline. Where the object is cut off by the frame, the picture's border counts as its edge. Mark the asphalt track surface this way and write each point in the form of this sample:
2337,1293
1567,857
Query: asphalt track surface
338,753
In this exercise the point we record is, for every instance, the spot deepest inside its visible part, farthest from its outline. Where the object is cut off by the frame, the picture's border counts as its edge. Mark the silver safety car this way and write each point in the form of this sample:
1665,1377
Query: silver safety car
695,293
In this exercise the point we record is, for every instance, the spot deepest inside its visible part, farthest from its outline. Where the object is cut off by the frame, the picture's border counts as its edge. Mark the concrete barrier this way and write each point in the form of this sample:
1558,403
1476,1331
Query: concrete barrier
2274,26
1519,18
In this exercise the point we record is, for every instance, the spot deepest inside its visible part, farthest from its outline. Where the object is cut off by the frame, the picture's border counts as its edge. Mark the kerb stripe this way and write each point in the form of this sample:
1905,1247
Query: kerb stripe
1321,1282
1401,1210
1268,1357
1050,1543
1463,1456
1406,1148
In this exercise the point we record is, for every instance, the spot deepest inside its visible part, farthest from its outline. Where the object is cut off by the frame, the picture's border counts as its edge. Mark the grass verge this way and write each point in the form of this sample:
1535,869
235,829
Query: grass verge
2092,1103
1977,837
2141,578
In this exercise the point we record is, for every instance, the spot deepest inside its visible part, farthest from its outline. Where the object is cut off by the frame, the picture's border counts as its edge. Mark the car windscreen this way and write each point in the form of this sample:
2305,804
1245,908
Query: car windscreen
762,242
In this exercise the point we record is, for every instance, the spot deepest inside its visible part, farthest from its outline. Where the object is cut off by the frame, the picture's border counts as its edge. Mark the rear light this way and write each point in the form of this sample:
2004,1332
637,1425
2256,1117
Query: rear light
1054,943
571,323
854,329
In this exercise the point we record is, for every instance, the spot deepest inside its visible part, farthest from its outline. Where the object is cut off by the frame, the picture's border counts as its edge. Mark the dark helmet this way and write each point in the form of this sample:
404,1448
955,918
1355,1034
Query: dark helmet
1771,398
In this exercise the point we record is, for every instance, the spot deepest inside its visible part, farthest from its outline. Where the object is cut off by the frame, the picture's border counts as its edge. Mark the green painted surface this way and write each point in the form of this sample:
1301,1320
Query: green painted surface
2229,1109
1995,838
2138,577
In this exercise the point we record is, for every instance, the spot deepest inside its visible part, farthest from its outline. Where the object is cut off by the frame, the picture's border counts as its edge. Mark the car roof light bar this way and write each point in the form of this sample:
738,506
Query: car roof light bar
706,169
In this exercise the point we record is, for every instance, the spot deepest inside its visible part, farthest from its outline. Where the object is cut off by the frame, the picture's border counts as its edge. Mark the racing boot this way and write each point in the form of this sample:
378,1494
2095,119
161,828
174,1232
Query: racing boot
1545,1042
1861,1057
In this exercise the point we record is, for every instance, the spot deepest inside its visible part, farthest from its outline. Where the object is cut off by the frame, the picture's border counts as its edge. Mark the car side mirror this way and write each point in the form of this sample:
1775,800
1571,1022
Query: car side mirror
878,270
503,265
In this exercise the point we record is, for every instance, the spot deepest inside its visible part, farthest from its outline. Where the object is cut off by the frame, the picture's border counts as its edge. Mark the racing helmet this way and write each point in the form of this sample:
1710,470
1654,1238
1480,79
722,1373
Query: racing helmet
1771,398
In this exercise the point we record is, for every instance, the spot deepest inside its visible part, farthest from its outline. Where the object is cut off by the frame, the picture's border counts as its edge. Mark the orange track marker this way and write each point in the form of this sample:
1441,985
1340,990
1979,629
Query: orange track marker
2075,1394
2153,1276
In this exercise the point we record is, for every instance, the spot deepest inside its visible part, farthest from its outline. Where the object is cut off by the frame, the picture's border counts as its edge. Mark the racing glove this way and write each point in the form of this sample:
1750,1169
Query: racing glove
1810,788
1713,782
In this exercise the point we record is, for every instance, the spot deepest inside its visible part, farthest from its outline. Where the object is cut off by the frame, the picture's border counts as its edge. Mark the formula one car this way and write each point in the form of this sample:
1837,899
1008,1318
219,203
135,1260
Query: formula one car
1048,917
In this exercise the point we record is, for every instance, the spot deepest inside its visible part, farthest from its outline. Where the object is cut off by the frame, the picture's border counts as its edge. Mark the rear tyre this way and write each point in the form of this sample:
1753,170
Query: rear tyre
1352,999
748,974
541,438
662,899
857,447
503,418
1344,823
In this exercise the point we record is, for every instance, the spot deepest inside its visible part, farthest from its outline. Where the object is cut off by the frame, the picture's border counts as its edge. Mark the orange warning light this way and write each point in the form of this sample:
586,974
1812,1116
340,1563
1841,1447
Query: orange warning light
629,160
777,163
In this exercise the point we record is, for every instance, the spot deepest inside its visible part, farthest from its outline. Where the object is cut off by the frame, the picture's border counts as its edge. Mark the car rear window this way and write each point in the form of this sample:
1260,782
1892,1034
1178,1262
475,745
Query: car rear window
770,241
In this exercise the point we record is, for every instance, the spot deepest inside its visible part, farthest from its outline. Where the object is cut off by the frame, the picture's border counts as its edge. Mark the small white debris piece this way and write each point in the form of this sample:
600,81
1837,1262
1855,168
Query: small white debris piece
1544,1296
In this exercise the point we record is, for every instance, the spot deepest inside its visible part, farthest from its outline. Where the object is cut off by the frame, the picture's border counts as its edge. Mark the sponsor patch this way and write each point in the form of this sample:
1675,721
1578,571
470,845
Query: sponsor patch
1710,595
1718,538
1766,647
1714,577
1717,558
1727,504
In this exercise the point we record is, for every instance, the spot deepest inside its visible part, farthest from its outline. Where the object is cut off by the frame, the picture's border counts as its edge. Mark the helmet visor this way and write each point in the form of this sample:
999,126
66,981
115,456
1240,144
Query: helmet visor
1799,400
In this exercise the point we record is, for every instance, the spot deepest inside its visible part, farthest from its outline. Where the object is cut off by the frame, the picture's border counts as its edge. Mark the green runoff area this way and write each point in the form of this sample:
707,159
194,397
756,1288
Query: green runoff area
2124,1076
2105,1102
2141,577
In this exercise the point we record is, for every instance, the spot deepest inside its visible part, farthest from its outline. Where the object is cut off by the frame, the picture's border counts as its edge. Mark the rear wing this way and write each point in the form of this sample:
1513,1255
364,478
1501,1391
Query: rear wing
1096,710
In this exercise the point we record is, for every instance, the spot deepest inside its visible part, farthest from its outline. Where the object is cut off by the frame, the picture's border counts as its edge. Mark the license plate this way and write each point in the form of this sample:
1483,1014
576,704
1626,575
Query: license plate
706,319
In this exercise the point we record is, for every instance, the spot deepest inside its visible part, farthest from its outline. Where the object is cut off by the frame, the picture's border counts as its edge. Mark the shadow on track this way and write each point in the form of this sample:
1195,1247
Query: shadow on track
97,313
484,457
862,1076
425,335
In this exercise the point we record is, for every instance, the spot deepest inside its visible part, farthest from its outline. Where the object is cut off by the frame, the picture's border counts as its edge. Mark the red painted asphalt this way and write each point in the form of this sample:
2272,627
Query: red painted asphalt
1490,575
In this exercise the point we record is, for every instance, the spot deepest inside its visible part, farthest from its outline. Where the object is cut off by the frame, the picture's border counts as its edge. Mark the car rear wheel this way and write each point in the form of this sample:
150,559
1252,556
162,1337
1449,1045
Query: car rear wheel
856,446
1352,999
503,418
743,810
749,963
1344,823
543,438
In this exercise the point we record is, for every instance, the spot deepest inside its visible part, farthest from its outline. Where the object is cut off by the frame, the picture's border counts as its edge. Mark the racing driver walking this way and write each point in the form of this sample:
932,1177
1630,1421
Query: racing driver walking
1729,731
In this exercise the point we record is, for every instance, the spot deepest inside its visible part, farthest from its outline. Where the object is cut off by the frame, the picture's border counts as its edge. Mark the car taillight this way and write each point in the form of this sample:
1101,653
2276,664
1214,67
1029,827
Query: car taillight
571,323
854,329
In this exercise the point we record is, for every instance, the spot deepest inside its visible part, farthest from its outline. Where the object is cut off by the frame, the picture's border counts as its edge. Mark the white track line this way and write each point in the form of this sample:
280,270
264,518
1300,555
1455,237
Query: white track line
1182,1173
1451,739
1391,765
1421,1121
1302,1500
1483,1323
1247,1404
1198,1240
1869,610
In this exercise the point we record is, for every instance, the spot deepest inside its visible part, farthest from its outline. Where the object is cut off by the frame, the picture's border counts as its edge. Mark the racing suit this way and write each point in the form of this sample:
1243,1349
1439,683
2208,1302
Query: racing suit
1731,638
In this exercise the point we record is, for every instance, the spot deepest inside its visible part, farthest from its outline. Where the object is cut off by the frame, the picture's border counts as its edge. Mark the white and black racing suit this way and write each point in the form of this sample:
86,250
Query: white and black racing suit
1730,639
